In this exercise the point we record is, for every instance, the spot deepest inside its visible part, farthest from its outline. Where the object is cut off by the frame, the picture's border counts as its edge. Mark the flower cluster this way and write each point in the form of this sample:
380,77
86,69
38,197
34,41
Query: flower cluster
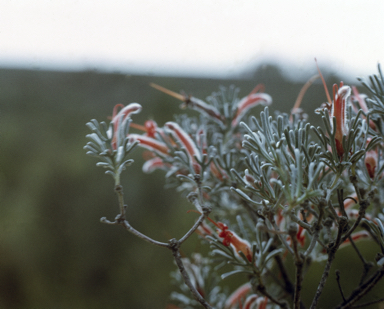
278,185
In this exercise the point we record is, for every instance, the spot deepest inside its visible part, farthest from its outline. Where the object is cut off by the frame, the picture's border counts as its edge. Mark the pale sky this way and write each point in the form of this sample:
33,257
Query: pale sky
214,38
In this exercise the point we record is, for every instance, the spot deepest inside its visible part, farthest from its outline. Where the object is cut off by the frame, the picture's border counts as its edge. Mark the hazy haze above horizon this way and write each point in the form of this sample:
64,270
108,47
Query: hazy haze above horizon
202,38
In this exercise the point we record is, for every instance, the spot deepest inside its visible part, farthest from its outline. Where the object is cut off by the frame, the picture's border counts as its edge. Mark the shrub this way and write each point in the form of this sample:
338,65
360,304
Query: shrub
287,194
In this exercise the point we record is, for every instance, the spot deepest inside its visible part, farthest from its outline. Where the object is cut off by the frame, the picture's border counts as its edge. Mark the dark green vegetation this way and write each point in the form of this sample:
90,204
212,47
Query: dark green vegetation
54,253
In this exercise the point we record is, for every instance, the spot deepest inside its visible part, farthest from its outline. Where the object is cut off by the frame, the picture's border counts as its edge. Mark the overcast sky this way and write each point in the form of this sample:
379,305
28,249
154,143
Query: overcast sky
201,37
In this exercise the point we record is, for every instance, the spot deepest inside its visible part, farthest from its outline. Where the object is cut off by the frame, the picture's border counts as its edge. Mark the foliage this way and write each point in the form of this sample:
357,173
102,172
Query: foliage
279,186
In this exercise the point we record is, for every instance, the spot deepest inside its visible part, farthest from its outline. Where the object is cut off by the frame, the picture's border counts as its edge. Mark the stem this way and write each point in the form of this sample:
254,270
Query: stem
340,198
120,196
324,278
287,282
261,288
299,261
367,266
281,236
312,244
196,225
299,280
135,232
331,256
339,284
369,303
174,246
303,224
362,289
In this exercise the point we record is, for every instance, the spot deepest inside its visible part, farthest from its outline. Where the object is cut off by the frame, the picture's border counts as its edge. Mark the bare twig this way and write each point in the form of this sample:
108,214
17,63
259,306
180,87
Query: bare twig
260,287
367,265
331,256
339,284
205,214
174,246
362,289
369,303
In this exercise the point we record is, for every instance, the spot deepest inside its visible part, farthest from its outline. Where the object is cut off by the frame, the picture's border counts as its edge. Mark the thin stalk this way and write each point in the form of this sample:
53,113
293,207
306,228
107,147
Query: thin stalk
282,238
362,289
120,196
298,284
339,284
194,227
262,289
368,303
367,266
331,256
174,246
287,282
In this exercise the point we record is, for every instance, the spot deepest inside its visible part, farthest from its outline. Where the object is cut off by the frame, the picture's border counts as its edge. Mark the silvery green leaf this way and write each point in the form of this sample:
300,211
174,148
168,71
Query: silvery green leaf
120,154
95,146
91,153
95,138
272,254
357,156
111,173
185,178
234,272
244,196
222,253
103,164
124,164
380,262
131,146
91,126
104,128
91,148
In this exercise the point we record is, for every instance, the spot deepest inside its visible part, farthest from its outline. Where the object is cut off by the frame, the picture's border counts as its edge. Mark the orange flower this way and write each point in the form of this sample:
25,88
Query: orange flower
371,161
337,109
340,96
118,118
232,239
151,144
251,100
238,296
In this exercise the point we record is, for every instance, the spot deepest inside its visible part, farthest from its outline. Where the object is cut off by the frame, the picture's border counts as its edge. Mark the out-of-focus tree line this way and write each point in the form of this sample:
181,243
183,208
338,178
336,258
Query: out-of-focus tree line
54,252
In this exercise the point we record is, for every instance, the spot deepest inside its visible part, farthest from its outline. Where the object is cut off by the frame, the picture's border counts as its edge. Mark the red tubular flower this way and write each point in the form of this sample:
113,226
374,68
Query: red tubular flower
339,112
231,238
263,303
301,236
371,161
251,301
360,98
119,117
237,296
251,100
151,144
151,127
154,164
132,108
184,139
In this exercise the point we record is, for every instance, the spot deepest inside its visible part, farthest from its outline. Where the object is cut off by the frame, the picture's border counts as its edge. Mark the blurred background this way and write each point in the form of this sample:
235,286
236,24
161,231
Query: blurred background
63,63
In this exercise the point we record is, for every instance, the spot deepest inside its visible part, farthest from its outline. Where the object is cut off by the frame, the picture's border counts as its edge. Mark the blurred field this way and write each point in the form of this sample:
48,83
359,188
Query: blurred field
54,253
